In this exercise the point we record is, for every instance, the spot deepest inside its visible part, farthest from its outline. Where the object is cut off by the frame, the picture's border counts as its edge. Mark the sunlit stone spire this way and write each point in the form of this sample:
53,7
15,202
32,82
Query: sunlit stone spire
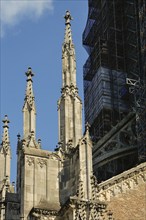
69,105
68,55
29,110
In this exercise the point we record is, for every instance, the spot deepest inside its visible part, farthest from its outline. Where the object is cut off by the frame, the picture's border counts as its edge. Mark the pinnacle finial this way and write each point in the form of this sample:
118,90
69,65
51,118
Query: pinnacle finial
29,89
87,127
5,136
29,73
68,17
68,35
5,121
18,136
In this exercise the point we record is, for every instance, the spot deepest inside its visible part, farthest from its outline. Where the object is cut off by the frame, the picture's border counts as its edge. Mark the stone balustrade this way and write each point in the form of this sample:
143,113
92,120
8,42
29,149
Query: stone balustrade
122,183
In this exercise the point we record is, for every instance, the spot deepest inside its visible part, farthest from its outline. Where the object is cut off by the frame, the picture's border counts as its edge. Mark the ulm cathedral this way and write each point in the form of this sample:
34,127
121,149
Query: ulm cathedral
61,185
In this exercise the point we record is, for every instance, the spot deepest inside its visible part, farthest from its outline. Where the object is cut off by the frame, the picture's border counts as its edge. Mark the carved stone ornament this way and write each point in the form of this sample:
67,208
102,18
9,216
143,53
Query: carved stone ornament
119,141
41,162
54,156
69,90
68,152
43,214
94,185
123,182
5,149
30,160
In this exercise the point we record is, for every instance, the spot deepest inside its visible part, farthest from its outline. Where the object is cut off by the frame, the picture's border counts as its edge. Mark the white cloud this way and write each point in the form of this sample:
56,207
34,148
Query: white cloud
13,11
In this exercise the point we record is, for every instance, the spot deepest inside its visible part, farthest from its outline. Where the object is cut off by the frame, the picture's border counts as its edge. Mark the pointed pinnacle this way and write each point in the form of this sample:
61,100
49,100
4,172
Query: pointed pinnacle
29,89
87,127
5,121
68,17
19,137
68,34
5,136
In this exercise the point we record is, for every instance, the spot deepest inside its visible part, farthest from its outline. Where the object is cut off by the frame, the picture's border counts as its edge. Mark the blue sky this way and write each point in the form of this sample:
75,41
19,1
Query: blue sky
32,33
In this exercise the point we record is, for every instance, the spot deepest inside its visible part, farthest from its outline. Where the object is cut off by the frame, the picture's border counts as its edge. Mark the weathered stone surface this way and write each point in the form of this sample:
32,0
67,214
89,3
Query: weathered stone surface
130,205
126,194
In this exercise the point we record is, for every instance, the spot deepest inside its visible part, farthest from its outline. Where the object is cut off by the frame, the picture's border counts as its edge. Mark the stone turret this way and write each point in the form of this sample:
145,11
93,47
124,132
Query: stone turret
69,105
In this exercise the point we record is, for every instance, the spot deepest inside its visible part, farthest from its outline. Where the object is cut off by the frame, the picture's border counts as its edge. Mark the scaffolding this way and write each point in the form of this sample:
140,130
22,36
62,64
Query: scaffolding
137,82
103,109
115,39
103,39
138,95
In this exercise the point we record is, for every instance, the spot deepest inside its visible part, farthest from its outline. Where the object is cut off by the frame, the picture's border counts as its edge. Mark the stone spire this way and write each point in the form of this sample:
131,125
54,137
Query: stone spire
29,110
5,137
69,105
68,55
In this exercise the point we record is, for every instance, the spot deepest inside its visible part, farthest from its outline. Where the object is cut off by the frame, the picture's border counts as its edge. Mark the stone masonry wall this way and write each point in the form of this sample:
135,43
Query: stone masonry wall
130,205
41,181
126,194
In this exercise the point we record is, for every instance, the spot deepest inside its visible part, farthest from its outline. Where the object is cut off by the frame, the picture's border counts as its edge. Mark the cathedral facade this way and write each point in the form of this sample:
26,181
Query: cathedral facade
60,185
